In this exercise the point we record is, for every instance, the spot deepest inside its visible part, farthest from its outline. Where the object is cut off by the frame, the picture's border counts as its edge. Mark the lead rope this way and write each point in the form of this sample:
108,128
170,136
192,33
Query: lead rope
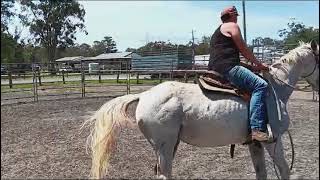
292,154
290,137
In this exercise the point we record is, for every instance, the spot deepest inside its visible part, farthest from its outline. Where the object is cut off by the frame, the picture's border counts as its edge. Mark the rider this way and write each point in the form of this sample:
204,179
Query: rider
225,45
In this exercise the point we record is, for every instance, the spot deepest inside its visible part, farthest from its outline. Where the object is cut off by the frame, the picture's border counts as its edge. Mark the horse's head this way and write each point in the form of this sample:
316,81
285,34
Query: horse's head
311,66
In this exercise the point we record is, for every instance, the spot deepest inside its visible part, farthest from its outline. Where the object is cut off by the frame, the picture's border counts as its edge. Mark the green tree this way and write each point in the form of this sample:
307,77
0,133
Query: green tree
53,24
8,45
157,48
131,50
85,50
8,42
110,44
203,47
6,13
98,48
297,31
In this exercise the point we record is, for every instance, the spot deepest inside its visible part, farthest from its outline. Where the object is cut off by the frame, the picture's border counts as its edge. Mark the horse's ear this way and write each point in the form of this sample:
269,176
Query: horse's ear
314,45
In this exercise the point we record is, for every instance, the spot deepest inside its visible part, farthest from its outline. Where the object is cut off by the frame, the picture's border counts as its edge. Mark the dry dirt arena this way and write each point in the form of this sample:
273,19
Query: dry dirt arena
42,140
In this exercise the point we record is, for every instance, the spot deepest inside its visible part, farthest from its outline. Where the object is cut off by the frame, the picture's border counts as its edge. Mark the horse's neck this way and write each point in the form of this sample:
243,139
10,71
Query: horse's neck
288,75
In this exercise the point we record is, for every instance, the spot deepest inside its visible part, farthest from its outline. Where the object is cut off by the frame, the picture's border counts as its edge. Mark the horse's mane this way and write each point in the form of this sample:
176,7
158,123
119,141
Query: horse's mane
293,56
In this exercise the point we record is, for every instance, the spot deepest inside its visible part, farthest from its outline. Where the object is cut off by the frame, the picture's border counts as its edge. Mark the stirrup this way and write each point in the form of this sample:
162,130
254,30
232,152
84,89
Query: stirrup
271,139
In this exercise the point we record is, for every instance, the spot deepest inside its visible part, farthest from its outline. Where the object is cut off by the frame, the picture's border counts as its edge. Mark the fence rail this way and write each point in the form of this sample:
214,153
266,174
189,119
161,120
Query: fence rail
38,83
85,83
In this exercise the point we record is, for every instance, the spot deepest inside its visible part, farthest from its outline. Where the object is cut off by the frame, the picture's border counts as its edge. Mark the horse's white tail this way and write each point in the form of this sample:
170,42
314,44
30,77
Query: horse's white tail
106,124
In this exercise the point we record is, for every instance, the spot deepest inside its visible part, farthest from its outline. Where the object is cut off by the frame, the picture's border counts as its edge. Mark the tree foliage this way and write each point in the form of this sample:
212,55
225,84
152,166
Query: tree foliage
53,23
110,44
8,42
6,13
160,48
266,41
203,47
297,31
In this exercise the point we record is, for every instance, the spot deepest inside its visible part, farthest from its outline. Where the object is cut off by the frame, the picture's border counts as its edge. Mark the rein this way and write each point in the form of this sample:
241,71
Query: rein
292,154
289,85
315,66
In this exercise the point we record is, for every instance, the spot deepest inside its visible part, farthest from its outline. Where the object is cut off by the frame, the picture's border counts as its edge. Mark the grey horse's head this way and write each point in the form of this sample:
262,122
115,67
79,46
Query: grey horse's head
311,67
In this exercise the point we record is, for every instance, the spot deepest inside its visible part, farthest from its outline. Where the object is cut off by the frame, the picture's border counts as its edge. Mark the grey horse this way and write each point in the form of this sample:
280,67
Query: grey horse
174,111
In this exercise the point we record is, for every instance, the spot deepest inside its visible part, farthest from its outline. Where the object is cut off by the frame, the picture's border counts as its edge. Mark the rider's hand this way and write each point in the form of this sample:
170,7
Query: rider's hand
262,67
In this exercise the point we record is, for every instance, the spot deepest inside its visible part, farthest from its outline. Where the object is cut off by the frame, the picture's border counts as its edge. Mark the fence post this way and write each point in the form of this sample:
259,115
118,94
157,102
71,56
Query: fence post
10,78
171,69
63,80
35,86
39,76
196,78
118,74
128,77
185,77
160,78
99,76
83,91
137,78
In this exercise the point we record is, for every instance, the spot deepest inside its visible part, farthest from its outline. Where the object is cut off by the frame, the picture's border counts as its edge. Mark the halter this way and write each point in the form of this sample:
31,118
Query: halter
274,75
316,58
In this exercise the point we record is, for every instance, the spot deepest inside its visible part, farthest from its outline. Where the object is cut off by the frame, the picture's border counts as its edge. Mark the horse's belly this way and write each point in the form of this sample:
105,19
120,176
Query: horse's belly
217,128
210,134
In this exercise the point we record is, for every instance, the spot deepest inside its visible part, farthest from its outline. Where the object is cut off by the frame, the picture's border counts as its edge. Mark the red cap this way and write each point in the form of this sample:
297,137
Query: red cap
230,10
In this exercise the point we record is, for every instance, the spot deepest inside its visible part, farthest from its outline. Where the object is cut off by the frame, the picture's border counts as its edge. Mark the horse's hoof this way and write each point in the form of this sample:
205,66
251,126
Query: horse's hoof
162,177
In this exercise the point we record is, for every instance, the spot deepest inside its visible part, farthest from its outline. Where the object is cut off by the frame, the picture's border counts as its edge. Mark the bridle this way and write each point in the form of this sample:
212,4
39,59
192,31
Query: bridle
316,58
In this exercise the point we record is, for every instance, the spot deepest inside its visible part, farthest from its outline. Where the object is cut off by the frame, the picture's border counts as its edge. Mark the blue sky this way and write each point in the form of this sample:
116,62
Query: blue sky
133,23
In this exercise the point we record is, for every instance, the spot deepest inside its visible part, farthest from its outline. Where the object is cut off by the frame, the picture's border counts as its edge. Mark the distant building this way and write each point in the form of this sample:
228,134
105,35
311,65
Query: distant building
69,63
201,61
113,61
268,54
169,61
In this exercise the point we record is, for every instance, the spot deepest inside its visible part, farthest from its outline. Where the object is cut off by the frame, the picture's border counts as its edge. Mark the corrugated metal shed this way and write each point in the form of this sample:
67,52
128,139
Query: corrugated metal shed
109,56
68,59
161,62
201,60
164,62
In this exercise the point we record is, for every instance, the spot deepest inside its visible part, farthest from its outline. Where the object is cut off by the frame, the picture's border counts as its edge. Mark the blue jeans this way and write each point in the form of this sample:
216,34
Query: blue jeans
243,78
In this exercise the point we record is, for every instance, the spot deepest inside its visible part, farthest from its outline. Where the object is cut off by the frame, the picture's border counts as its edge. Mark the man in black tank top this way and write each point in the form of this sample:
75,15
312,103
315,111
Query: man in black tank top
225,46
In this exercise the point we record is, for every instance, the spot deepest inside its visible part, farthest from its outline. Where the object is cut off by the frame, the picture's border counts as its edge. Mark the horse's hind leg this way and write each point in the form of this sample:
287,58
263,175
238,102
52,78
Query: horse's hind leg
258,160
275,151
161,128
165,142
157,167
166,154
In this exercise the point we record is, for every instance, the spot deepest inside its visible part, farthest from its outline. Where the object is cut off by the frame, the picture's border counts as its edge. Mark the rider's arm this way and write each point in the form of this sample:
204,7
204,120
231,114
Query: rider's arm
235,33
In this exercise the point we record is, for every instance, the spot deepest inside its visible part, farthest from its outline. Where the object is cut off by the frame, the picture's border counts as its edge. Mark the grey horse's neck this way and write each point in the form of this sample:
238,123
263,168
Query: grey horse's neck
285,77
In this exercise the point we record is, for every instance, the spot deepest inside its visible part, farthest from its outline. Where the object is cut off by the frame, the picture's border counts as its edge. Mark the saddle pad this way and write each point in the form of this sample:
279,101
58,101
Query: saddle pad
204,86
217,83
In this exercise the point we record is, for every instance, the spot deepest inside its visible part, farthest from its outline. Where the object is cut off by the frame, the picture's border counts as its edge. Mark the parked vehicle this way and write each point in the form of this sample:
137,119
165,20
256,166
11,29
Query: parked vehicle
66,69
3,70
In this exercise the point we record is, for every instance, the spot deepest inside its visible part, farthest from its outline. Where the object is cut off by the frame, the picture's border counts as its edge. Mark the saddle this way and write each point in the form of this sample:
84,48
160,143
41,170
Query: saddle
276,112
215,82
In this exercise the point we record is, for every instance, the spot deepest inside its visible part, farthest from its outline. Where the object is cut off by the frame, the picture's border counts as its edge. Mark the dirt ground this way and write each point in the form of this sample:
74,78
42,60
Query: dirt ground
42,140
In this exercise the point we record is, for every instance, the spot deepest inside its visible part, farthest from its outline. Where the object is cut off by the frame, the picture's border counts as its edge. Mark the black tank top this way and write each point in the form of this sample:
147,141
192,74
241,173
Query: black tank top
224,53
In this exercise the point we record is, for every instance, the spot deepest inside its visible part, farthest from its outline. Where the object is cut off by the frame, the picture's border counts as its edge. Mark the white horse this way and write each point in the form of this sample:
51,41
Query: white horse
174,111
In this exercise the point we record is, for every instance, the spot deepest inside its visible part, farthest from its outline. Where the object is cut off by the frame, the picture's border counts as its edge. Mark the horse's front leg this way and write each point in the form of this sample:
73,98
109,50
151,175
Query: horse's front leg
275,151
258,160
